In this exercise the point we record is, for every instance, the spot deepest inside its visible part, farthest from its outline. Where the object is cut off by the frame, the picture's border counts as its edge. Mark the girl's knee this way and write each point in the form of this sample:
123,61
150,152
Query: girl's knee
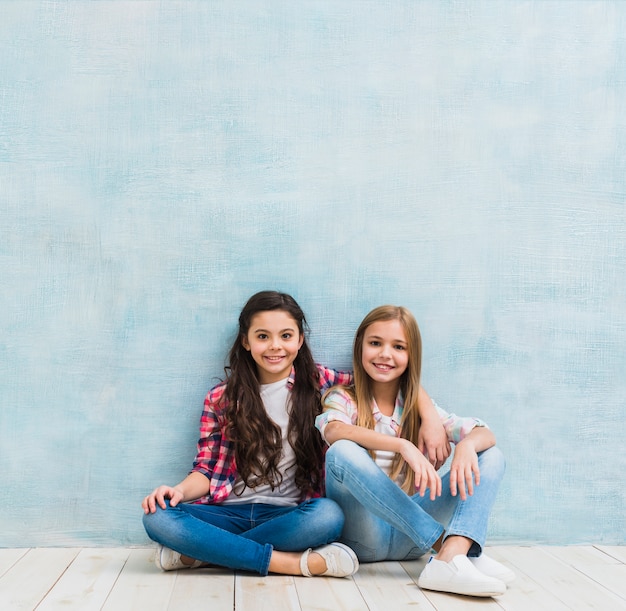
149,523
329,514
318,521
333,512
343,451
156,522
348,459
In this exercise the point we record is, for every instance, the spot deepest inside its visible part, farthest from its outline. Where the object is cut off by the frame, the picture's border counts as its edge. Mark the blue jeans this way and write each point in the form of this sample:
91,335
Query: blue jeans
243,536
385,523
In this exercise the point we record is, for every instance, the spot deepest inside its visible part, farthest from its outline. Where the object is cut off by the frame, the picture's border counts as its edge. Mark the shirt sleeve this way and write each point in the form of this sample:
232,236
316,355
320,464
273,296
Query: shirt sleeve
210,440
457,427
339,406
332,377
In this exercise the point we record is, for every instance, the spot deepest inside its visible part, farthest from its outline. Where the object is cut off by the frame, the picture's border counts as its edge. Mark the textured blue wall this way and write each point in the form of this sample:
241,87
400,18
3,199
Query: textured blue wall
160,162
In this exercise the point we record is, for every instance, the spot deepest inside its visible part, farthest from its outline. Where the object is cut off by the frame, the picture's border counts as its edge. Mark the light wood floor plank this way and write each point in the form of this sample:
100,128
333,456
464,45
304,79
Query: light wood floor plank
86,583
386,585
455,602
329,594
26,583
118,579
141,585
271,593
617,552
573,589
601,568
212,589
9,556
524,593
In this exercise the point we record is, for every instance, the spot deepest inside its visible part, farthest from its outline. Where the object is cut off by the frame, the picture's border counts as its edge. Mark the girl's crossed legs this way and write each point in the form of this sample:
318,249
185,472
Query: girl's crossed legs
244,536
384,523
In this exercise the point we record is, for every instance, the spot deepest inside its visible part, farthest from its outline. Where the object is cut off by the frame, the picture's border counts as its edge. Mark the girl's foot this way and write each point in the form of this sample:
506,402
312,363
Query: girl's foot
492,568
169,560
340,561
459,576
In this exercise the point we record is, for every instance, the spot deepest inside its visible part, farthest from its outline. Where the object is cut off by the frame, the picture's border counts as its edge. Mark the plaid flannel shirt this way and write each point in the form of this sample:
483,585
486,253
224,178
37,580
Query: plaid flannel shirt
216,456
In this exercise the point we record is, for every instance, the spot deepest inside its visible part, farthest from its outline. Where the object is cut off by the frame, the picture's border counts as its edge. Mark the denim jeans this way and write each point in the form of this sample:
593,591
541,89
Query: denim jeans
384,523
243,536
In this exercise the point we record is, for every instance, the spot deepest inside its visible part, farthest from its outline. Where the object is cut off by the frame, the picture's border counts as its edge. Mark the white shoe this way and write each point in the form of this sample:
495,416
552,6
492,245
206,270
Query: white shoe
169,560
340,560
459,576
492,568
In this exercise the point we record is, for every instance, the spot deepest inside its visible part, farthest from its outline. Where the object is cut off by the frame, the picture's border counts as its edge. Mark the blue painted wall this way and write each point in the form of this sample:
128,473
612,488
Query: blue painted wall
161,161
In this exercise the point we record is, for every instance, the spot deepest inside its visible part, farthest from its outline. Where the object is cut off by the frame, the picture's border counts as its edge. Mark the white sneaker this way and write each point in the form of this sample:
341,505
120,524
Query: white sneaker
459,576
169,560
340,560
492,568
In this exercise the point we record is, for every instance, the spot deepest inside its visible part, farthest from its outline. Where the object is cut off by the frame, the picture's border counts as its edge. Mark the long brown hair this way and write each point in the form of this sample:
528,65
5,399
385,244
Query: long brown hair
409,384
257,439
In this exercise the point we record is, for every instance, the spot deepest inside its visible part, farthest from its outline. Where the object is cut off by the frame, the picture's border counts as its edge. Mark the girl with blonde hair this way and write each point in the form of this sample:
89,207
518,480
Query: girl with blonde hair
396,505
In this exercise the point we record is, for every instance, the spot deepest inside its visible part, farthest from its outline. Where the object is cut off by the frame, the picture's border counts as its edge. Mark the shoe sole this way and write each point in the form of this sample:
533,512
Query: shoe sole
437,587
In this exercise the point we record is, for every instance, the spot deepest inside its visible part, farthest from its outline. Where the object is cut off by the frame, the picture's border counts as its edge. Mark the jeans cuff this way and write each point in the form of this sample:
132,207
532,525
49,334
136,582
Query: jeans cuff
434,538
265,563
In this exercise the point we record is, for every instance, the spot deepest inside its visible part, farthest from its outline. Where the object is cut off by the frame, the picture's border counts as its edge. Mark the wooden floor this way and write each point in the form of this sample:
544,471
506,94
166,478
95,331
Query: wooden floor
117,579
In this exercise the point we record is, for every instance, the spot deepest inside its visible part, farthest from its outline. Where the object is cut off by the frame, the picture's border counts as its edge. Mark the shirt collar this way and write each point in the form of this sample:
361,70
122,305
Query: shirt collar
396,417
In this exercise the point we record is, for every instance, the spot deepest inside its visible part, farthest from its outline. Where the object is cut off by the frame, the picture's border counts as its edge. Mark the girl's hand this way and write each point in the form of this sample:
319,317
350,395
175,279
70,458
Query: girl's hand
425,474
158,495
464,465
433,441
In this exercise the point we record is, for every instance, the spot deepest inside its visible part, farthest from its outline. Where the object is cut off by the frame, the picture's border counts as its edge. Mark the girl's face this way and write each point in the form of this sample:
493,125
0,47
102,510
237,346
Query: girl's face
385,354
273,340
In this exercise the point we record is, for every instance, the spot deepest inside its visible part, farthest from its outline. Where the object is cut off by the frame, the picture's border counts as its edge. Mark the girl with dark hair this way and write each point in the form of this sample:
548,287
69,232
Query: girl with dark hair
377,474
257,477
253,500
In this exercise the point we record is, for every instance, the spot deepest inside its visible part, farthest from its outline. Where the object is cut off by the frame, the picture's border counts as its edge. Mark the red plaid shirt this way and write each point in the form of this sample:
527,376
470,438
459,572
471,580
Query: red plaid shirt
216,456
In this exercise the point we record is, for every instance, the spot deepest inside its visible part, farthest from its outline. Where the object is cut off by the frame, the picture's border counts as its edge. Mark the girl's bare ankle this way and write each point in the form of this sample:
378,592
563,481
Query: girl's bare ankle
316,564
454,545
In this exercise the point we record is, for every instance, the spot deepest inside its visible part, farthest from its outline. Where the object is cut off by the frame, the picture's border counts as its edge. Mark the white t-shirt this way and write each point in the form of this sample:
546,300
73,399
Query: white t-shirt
384,458
276,398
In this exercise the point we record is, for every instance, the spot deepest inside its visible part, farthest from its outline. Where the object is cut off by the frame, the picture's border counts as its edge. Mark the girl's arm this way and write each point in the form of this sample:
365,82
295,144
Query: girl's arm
432,440
465,461
191,488
197,484
425,474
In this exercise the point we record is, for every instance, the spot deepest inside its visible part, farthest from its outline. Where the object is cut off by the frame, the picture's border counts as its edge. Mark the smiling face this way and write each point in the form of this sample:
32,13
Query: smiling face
273,341
385,354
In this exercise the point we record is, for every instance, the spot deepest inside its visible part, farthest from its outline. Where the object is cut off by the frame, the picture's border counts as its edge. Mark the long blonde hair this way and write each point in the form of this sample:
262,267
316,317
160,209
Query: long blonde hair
409,384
